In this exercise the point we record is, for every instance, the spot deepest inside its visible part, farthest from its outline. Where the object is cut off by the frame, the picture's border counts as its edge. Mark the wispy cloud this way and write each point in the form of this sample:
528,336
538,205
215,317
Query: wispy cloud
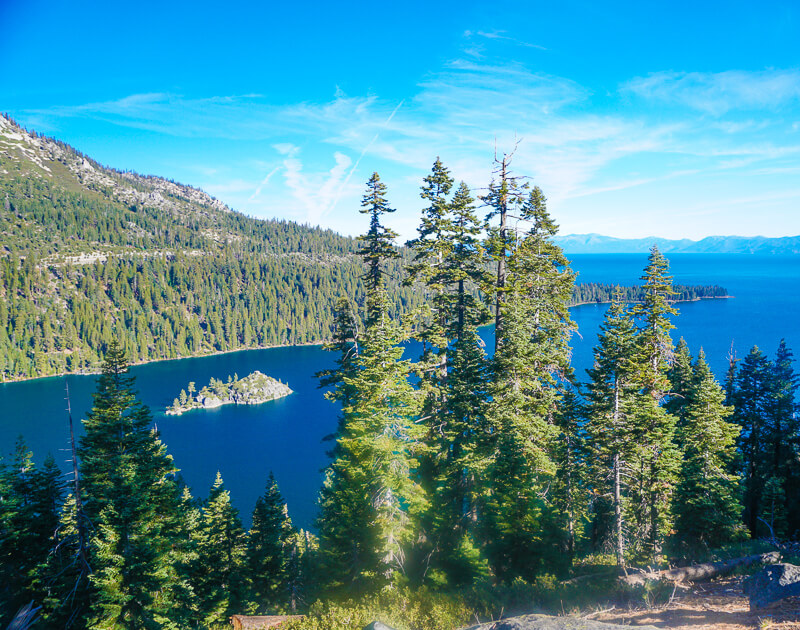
578,153
263,183
719,92
503,37
360,157
314,193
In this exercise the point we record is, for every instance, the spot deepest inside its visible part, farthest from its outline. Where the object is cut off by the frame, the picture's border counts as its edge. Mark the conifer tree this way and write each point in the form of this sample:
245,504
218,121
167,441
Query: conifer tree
132,497
370,498
785,434
657,460
29,506
453,373
569,489
431,250
530,367
66,590
681,376
505,196
706,502
270,546
612,403
219,577
377,247
751,392
345,344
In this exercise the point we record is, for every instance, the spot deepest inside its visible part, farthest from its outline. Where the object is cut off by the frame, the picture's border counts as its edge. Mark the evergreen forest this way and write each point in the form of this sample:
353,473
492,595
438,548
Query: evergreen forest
91,255
462,484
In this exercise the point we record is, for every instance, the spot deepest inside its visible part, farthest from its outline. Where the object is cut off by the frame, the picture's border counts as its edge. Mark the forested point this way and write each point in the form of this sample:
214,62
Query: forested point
90,255
460,485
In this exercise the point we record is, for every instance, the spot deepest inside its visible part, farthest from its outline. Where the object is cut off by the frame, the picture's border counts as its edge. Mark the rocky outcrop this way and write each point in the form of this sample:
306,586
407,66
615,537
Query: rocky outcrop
772,584
254,389
535,622
548,622
245,622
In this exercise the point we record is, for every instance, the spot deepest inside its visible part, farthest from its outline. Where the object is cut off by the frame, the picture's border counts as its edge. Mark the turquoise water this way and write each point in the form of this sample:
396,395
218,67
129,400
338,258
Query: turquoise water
284,436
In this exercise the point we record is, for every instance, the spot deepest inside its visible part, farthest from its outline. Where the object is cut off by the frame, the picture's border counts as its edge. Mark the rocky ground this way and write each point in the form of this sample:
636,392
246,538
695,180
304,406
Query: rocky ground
719,604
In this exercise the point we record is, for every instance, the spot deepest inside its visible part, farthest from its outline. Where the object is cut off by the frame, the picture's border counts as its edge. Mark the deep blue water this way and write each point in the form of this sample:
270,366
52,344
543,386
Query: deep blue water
284,436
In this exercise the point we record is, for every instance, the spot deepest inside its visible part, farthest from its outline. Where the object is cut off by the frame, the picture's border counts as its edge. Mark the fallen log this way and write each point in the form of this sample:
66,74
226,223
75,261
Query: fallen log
701,572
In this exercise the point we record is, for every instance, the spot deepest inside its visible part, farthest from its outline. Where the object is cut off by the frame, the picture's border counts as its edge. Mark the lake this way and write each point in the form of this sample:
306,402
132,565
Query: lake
285,436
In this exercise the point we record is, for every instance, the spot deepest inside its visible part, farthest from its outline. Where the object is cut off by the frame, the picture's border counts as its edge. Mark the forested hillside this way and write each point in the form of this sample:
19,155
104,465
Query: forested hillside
91,254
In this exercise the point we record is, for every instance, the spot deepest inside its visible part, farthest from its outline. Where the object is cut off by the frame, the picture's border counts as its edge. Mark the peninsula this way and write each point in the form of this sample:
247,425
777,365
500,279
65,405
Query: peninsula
254,389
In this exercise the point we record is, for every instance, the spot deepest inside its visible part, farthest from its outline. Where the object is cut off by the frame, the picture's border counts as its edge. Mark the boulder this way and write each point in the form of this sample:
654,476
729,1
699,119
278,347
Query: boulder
377,625
773,583
548,622
209,402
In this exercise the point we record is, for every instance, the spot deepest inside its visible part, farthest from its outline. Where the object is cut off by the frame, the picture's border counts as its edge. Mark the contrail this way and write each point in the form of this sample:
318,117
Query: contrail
363,153
263,183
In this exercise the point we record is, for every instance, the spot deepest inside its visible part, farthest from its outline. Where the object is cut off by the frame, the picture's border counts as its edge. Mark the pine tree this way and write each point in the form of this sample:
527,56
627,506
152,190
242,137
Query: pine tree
657,459
452,371
460,438
219,577
377,245
270,547
569,490
530,368
370,499
750,397
132,497
707,505
431,249
345,345
612,398
784,435
681,375
62,579
505,195
29,505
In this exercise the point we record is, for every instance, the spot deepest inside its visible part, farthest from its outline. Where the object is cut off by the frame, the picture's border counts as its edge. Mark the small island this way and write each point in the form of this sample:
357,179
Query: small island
254,389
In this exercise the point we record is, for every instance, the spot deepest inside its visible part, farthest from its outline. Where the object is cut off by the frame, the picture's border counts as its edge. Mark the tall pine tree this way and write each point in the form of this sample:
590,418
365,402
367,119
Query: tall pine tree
707,497
370,498
531,366
611,427
656,462
133,499
270,547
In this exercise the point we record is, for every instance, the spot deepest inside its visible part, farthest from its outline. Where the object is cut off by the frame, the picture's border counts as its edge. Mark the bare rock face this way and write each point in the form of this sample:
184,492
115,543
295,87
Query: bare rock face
548,622
773,583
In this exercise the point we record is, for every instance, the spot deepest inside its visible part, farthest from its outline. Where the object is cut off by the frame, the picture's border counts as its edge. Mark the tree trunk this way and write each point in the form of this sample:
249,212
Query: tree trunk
702,572
619,546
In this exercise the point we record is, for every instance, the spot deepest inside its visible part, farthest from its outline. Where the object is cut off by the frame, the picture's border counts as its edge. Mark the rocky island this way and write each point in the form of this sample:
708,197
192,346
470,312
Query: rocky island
254,389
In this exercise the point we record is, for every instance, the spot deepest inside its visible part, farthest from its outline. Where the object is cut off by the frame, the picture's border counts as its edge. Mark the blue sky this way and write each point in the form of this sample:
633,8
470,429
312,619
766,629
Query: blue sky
635,118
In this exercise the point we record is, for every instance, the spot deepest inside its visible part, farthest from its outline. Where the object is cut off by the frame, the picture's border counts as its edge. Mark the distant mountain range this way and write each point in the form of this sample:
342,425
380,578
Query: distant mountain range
598,244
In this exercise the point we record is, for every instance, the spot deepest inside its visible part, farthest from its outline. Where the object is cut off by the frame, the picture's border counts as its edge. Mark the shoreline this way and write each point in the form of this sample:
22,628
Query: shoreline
294,345
147,362
183,410
707,297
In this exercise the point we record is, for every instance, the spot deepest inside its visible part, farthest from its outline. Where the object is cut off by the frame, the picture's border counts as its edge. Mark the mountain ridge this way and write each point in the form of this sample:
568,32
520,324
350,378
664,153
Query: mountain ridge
600,244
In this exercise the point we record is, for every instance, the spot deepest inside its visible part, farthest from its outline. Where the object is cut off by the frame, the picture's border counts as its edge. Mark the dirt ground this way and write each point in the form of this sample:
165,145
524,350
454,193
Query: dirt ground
719,604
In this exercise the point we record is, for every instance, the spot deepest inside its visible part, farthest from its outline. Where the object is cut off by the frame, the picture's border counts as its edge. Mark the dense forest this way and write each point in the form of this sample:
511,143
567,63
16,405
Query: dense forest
459,483
90,254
